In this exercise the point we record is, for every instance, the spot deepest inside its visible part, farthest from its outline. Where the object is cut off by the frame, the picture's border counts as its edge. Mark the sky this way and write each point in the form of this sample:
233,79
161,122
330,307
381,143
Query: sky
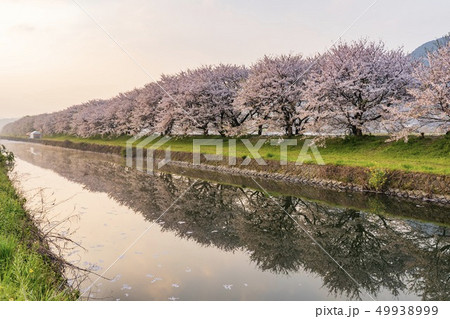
53,55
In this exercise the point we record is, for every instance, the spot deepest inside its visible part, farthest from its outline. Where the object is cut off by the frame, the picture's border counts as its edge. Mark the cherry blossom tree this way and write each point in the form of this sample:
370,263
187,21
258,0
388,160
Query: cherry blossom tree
64,120
86,121
187,99
168,109
274,93
356,85
144,114
119,111
224,82
432,92
201,98
19,127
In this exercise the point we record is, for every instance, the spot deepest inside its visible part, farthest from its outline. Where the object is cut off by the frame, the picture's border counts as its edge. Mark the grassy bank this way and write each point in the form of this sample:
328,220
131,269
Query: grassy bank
426,155
26,270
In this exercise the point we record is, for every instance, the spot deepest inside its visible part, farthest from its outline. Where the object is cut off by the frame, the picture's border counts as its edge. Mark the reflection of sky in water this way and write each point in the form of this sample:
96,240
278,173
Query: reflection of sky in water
161,266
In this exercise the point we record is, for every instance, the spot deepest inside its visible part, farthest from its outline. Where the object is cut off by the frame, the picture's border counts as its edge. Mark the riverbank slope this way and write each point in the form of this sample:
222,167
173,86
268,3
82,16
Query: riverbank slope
27,268
418,169
429,154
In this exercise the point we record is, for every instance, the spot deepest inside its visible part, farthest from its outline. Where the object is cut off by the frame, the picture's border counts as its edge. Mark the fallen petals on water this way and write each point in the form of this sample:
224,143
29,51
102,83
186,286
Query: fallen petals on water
125,287
155,280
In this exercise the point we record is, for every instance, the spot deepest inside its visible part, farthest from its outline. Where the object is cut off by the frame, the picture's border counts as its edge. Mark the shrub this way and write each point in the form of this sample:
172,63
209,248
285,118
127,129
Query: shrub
6,158
377,178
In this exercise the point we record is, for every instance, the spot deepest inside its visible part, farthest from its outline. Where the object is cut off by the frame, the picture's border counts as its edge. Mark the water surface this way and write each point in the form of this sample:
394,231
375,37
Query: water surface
226,239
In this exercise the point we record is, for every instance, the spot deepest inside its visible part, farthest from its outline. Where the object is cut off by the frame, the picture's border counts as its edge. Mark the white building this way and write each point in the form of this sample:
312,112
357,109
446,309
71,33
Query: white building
35,135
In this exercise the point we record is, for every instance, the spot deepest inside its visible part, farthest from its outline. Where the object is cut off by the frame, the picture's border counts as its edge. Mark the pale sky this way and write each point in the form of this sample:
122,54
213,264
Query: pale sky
52,55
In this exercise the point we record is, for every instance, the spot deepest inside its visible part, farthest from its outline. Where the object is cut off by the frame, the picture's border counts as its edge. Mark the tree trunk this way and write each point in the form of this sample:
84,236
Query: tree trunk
234,122
168,129
356,130
289,130
260,129
298,125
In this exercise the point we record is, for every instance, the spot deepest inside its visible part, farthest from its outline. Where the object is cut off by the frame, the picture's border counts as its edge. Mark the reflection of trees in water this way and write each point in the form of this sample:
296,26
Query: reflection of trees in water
431,275
364,245
378,252
205,213
272,238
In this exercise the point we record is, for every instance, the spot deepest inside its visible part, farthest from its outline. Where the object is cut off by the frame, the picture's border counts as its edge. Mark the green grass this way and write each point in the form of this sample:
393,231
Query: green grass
25,273
430,154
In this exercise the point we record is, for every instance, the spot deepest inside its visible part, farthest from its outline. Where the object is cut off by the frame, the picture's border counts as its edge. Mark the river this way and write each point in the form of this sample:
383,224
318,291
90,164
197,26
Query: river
184,234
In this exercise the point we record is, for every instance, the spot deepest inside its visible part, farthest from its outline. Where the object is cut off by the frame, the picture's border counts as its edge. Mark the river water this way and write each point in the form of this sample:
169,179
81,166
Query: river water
184,234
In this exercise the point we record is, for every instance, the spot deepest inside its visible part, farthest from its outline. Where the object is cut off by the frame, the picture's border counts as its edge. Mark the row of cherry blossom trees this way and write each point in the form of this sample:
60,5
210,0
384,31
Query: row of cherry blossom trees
355,88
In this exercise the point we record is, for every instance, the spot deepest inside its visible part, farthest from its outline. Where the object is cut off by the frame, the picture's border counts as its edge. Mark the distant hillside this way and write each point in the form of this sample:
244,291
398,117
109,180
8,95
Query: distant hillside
421,52
3,122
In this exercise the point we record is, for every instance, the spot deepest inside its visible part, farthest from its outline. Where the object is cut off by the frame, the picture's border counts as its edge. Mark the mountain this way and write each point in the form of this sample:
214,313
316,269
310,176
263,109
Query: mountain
421,52
3,122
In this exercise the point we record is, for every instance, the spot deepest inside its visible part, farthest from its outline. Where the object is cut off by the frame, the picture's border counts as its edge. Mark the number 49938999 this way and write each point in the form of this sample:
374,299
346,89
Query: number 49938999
407,310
